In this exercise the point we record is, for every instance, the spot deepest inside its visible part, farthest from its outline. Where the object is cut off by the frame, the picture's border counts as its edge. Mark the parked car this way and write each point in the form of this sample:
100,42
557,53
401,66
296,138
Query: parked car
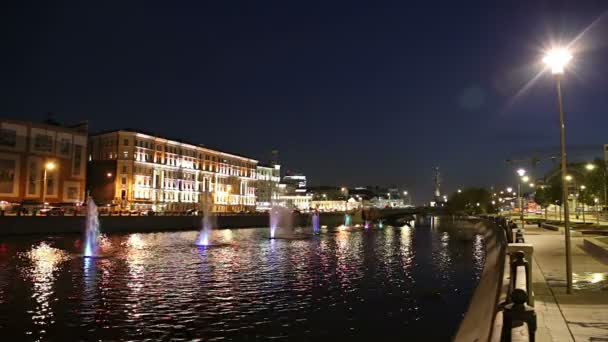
191,212
52,211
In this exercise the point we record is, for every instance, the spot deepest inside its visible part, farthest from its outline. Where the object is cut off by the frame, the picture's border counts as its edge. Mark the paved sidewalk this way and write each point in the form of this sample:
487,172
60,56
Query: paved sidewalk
581,316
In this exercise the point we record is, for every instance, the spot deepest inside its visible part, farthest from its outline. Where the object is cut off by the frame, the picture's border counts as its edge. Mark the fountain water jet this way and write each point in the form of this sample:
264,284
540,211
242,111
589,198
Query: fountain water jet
207,225
91,238
347,220
315,223
280,221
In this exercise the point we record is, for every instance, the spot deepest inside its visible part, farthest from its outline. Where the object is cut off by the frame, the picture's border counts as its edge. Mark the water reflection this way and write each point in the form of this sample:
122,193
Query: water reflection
590,281
343,284
478,254
44,262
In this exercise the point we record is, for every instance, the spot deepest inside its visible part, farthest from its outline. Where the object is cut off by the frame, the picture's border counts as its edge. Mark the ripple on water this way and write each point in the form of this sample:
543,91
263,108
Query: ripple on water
157,286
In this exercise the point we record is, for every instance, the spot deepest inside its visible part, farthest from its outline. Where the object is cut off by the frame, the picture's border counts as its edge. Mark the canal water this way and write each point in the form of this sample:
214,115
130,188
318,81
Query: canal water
354,284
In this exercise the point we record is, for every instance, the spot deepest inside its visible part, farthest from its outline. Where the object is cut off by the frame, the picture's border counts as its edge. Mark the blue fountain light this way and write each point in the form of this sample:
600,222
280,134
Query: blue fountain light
316,228
91,239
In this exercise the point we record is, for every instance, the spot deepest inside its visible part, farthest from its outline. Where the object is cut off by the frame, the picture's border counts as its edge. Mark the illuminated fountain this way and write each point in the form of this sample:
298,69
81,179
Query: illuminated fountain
316,228
206,226
91,238
281,223
347,220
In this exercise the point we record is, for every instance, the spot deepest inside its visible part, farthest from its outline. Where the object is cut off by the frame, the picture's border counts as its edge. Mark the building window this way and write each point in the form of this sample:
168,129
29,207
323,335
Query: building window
8,137
123,181
43,143
77,161
124,169
126,142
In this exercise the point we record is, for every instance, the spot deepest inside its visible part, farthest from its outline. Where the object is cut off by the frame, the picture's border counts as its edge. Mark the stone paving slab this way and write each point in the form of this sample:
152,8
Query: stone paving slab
581,316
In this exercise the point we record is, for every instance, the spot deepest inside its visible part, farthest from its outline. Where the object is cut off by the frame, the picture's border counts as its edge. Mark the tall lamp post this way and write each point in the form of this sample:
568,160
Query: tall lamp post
521,173
557,59
49,166
582,200
409,199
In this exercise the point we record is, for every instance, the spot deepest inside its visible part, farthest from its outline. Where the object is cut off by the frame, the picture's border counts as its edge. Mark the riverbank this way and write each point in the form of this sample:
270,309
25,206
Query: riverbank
31,225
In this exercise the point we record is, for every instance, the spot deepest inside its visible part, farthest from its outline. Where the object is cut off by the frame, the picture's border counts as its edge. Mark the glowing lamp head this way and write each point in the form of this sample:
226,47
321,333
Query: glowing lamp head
525,179
521,172
583,187
568,178
49,166
590,166
509,189
557,59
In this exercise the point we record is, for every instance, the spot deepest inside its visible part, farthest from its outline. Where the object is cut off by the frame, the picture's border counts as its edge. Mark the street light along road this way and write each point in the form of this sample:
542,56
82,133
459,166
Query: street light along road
557,59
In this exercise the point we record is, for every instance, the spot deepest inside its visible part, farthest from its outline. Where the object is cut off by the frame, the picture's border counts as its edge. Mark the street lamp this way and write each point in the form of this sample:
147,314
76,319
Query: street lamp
522,177
49,166
596,200
591,167
521,172
409,199
582,199
557,59
459,191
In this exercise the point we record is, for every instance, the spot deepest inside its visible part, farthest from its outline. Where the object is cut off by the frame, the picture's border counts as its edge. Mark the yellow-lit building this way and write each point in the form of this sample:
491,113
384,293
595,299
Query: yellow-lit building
136,170
267,186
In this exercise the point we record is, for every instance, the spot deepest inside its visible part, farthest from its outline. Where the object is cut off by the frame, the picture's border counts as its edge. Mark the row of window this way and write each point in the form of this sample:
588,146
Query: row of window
184,152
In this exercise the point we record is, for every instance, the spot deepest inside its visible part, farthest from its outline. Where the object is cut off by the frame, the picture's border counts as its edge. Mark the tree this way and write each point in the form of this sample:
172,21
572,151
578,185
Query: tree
466,201
542,197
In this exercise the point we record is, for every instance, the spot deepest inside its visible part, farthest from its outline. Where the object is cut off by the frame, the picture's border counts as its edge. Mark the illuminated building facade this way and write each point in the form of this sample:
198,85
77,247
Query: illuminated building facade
267,186
292,191
137,170
31,150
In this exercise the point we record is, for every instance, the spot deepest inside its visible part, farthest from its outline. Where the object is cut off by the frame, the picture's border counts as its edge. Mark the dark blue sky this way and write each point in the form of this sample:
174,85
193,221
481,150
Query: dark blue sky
350,92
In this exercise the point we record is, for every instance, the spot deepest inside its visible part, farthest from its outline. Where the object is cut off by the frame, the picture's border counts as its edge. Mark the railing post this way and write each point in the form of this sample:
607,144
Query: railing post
518,312
519,259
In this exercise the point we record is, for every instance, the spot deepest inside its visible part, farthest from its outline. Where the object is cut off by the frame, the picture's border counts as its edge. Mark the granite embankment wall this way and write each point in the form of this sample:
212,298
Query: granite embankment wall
478,322
29,225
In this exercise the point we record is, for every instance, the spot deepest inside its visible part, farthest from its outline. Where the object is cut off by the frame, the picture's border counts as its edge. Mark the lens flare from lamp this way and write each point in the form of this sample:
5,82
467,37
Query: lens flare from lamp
557,59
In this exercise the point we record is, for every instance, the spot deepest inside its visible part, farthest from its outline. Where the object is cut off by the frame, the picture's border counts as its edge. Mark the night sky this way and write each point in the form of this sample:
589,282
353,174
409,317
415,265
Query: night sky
351,93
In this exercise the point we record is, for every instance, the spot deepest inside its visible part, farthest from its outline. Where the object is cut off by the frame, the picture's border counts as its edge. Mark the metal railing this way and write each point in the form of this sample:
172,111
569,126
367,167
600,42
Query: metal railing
518,309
